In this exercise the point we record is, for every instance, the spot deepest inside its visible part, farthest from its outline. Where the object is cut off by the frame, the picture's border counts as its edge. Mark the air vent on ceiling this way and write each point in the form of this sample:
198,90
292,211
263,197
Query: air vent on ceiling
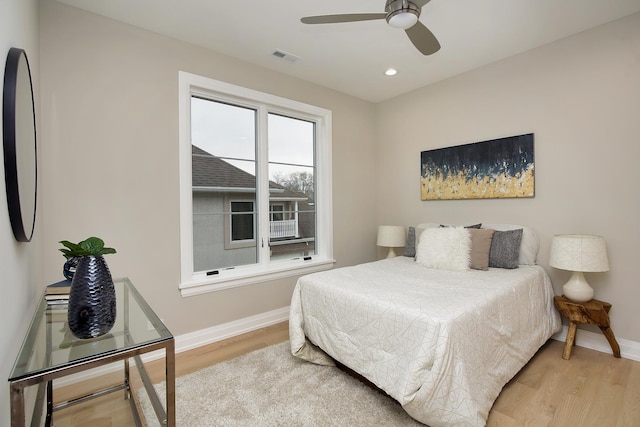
281,54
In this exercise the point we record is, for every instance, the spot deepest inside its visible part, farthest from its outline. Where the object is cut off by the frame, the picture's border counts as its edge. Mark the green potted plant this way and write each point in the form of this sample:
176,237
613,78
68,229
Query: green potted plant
73,251
92,299
91,246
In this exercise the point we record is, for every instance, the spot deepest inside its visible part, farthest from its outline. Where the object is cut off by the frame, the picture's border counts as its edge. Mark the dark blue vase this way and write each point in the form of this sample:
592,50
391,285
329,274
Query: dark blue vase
92,299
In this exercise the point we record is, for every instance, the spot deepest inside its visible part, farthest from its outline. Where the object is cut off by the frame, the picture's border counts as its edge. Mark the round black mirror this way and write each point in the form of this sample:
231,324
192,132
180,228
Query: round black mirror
20,153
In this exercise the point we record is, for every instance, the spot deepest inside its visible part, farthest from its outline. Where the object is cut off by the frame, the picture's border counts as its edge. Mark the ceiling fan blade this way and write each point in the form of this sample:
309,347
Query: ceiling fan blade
423,39
335,19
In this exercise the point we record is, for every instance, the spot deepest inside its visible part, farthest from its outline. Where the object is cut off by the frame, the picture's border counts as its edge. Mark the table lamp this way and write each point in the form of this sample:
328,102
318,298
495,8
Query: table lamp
392,236
579,253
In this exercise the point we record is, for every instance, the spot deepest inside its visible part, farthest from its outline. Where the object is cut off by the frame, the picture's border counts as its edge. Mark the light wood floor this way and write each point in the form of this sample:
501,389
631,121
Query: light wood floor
591,389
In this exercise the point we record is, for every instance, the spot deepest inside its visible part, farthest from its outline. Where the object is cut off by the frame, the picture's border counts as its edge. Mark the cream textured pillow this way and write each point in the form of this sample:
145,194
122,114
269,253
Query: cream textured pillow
480,248
444,248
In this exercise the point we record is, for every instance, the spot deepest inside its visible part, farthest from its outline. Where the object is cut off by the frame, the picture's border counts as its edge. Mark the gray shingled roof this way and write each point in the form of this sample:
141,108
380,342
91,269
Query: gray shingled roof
210,171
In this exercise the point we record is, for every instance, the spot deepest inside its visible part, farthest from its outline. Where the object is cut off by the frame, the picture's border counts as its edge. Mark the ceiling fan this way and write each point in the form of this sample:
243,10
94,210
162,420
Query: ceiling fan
402,14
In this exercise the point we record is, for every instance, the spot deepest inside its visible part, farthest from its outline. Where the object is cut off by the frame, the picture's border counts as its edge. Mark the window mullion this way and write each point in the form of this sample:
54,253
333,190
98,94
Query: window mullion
262,184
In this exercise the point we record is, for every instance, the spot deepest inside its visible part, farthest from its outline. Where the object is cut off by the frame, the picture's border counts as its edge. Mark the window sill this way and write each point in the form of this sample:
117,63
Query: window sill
243,276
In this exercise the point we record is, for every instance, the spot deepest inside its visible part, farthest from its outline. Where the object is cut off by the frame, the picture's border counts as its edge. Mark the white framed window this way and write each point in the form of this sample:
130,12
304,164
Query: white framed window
242,224
255,186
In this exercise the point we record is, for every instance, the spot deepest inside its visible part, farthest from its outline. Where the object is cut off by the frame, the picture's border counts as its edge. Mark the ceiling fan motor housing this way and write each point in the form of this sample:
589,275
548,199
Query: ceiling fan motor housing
401,13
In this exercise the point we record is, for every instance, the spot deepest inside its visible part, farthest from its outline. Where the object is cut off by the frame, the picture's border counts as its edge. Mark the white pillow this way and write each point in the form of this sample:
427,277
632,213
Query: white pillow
421,227
528,245
446,248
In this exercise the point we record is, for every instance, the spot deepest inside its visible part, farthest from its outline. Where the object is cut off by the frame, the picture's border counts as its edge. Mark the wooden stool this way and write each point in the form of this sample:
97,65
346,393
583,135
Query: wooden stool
592,312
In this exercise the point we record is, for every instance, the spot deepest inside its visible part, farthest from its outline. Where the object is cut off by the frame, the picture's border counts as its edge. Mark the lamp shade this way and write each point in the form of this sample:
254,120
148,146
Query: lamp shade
391,236
578,252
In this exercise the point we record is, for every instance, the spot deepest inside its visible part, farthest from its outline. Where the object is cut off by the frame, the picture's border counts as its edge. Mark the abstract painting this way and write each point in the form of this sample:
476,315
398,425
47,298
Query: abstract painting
495,169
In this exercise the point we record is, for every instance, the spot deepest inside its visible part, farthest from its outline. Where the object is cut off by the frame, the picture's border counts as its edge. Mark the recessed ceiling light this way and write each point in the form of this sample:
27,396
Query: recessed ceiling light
391,72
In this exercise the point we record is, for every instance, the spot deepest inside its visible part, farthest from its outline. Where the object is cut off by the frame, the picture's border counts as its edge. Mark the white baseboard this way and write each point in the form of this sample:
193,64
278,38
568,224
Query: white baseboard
597,341
231,329
190,341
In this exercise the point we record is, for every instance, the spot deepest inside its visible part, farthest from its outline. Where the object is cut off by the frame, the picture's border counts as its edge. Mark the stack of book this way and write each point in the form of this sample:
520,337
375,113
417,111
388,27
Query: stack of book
58,293
56,313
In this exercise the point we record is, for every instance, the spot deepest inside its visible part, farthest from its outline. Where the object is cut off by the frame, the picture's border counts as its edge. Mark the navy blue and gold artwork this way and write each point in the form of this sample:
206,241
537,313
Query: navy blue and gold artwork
495,169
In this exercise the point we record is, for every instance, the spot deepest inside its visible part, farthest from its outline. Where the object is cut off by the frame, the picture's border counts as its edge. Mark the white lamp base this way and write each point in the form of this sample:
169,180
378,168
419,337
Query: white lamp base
391,254
577,289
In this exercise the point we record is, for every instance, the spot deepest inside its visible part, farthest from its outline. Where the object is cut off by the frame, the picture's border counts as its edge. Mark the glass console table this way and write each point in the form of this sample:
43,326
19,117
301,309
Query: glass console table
50,351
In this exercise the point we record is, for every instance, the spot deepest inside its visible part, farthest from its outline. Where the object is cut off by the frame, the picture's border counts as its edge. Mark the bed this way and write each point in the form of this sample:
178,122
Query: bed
442,342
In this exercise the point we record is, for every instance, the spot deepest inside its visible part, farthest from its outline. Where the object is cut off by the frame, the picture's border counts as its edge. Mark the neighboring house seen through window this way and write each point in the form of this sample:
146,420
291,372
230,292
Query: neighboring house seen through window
255,186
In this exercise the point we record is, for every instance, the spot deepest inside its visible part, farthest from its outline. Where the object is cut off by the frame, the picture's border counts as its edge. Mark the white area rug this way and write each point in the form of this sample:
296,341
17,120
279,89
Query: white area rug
270,387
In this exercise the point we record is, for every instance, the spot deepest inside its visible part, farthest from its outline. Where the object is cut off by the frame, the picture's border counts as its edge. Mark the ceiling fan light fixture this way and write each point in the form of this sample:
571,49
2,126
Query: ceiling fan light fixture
403,20
402,14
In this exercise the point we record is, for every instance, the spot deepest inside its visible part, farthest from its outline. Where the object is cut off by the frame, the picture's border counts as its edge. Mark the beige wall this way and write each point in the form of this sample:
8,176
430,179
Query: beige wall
581,98
18,261
110,140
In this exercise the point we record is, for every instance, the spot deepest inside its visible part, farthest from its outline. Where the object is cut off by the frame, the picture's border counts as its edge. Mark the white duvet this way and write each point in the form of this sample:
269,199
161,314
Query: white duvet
442,343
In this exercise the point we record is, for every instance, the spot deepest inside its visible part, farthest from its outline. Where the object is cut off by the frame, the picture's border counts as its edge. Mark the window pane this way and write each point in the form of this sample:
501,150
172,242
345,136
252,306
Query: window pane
242,221
291,141
223,130
291,187
297,179
223,185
